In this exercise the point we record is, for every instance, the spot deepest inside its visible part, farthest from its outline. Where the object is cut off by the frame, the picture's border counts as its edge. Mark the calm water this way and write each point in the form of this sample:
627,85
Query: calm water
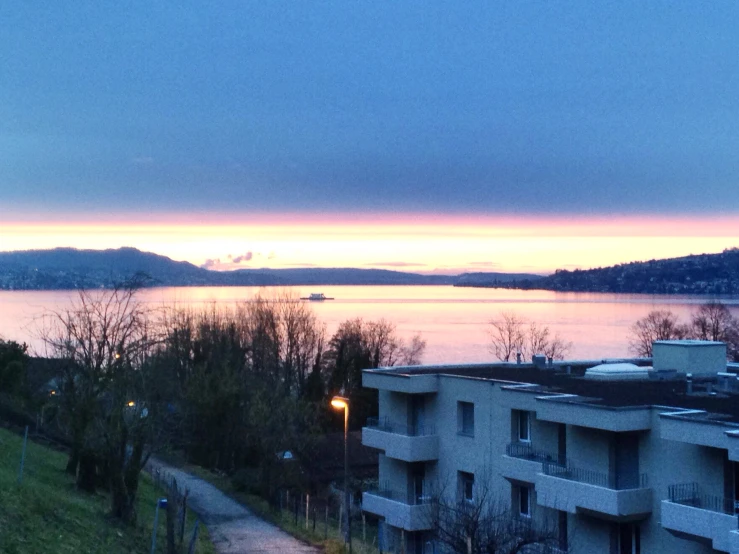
453,321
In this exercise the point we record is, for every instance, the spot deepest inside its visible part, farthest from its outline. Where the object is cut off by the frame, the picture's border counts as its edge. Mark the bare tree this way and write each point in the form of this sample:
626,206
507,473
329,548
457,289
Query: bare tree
283,335
540,340
107,395
507,335
486,525
714,321
511,334
412,352
656,325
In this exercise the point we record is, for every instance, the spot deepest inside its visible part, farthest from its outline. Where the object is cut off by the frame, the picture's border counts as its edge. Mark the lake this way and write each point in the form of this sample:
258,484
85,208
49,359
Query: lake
453,321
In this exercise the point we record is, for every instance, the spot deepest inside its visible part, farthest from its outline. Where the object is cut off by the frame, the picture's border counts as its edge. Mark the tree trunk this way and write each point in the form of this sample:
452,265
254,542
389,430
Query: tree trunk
124,507
87,478
74,461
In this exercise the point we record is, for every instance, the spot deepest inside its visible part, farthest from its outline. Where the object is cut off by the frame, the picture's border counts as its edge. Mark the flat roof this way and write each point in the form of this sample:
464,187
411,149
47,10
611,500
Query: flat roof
707,392
690,342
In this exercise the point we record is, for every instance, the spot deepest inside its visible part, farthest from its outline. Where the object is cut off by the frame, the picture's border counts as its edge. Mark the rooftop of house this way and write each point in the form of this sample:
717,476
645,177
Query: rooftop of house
716,393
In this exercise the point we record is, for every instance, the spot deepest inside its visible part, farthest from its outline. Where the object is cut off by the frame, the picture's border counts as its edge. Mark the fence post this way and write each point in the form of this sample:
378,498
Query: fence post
297,507
160,502
325,524
172,504
194,537
184,516
23,457
307,510
341,519
364,528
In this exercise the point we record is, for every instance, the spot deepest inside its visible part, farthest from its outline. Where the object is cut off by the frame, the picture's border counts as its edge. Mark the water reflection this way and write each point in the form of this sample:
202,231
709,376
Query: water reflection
452,320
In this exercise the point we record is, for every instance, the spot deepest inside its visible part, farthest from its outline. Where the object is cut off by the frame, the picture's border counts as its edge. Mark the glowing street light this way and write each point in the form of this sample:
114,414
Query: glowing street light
341,403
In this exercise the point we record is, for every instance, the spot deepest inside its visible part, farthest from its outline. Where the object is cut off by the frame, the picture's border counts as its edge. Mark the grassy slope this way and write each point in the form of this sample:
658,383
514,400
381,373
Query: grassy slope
46,514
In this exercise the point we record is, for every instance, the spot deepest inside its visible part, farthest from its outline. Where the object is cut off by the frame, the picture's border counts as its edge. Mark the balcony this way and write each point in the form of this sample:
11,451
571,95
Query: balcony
734,542
402,510
417,443
522,462
688,513
607,495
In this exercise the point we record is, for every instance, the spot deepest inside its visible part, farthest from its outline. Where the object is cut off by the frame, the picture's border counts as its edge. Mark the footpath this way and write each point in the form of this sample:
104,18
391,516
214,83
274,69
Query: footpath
233,528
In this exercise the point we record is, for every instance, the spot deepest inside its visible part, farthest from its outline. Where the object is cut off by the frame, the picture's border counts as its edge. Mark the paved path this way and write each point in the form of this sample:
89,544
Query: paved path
233,528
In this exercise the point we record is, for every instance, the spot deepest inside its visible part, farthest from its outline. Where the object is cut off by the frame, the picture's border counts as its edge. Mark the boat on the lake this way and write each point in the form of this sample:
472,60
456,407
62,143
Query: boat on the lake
316,297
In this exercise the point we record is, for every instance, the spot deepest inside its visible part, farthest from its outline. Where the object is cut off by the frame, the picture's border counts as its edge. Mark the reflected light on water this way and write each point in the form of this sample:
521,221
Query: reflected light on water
452,320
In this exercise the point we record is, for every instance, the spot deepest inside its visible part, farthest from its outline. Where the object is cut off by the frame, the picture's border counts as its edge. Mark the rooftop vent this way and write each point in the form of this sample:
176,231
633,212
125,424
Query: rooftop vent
617,372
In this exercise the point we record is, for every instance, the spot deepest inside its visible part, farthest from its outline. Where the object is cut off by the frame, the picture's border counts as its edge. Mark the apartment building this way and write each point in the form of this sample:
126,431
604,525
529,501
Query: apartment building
621,456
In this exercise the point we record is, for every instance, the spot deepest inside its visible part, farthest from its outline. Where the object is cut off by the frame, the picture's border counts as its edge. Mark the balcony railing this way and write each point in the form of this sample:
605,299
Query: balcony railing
689,494
608,480
525,451
384,424
404,497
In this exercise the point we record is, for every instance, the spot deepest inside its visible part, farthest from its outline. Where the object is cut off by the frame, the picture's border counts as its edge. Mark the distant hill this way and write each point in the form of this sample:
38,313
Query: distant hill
479,279
697,274
69,268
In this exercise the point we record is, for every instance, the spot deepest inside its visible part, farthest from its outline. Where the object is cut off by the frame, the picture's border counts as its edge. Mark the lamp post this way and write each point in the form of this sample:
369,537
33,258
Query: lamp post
341,403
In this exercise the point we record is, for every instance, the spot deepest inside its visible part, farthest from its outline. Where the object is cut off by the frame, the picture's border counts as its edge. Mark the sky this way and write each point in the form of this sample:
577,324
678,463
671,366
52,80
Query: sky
426,136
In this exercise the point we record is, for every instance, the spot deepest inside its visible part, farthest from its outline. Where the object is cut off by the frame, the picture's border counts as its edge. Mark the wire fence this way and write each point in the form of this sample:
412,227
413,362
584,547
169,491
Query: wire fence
323,518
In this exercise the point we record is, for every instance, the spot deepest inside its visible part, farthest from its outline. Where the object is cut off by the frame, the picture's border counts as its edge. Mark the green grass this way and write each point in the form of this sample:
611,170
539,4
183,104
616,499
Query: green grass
47,514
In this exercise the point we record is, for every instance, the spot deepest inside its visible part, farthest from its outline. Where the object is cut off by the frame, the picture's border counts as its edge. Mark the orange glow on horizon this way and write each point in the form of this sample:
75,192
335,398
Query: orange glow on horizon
426,243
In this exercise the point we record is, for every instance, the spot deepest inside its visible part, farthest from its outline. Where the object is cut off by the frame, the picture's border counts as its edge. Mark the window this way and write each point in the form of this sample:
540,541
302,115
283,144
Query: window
466,486
524,427
466,418
524,501
562,530
629,538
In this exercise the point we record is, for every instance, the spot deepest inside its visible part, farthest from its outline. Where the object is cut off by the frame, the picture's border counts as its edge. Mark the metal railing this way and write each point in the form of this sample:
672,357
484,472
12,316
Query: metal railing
689,494
608,480
525,451
384,424
404,497
544,549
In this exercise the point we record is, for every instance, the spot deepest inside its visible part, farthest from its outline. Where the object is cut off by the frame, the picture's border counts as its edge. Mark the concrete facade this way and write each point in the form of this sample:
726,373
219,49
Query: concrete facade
661,478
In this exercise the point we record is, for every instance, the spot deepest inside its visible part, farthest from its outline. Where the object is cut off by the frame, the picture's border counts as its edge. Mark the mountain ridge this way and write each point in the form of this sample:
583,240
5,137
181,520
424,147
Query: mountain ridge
711,274
70,268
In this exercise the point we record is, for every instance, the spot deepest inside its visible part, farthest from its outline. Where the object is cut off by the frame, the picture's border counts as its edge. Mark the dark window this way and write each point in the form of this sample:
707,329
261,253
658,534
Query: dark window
562,528
629,538
524,427
466,486
524,501
466,418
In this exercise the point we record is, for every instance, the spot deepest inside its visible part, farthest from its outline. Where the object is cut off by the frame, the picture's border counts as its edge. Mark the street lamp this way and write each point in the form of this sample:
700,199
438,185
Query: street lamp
341,403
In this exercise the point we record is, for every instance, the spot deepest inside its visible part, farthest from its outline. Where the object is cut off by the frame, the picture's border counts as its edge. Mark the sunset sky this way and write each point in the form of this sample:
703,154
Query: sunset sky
422,136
